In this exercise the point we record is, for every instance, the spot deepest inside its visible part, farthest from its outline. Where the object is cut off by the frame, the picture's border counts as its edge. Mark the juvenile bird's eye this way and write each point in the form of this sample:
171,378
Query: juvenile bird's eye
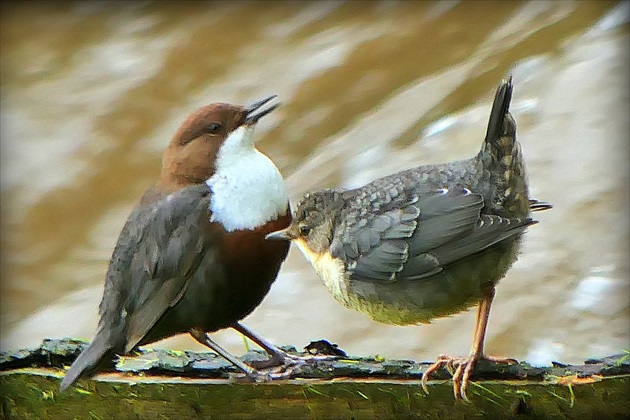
304,229
213,128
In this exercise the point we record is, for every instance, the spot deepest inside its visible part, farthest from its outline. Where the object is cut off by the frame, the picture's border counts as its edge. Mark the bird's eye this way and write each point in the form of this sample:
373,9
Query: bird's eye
304,229
213,128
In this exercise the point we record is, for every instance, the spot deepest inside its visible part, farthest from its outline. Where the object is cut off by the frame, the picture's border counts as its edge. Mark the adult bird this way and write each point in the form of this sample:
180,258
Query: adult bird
192,255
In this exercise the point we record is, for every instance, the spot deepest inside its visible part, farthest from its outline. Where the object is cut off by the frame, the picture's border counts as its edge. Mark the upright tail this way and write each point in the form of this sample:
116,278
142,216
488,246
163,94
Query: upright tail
96,353
501,158
499,114
502,161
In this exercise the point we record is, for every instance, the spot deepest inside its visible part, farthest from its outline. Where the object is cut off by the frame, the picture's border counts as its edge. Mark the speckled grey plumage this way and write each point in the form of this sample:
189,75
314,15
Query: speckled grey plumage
426,242
497,172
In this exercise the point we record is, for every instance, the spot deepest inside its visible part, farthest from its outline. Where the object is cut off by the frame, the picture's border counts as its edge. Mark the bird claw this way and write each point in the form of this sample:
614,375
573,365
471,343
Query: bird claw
265,364
287,371
261,376
276,368
461,369
276,360
283,367
256,375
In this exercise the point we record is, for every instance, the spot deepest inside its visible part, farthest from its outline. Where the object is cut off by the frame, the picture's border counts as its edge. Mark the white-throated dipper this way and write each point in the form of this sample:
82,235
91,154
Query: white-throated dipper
426,242
192,257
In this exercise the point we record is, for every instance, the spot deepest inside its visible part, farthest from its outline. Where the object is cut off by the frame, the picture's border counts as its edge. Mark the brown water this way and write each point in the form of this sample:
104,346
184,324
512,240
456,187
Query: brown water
92,92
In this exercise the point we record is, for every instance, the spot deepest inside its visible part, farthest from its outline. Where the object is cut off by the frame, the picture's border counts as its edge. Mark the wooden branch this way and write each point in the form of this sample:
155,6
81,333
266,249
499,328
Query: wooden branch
173,384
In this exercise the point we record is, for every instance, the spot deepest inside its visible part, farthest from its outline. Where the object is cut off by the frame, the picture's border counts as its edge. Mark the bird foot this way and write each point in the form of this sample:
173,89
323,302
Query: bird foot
272,362
461,369
276,367
288,370
289,366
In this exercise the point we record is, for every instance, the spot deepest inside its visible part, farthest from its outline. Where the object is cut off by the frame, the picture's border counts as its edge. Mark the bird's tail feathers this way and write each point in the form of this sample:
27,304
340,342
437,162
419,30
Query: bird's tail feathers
535,205
87,361
500,114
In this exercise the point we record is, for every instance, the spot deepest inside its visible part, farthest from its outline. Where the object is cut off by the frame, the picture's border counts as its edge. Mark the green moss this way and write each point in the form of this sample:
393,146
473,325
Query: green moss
163,384
29,393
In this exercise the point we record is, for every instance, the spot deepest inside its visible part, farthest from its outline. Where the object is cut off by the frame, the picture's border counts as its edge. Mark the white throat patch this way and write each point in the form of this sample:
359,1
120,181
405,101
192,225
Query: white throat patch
247,188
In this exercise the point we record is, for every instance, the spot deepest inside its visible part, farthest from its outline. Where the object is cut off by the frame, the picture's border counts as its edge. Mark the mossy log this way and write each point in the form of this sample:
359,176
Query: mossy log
168,384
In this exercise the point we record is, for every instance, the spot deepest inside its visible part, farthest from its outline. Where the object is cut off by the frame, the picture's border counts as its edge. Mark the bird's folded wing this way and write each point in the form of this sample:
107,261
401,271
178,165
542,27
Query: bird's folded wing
162,246
416,240
487,231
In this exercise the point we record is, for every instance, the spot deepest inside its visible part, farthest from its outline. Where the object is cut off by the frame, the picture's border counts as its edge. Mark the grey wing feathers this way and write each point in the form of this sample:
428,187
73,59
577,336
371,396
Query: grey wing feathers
444,217
160,265
383,253
177,255
489,230
428,231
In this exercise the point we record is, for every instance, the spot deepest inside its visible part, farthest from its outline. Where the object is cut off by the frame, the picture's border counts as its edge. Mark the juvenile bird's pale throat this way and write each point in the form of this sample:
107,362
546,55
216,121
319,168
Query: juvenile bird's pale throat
247,188
329,269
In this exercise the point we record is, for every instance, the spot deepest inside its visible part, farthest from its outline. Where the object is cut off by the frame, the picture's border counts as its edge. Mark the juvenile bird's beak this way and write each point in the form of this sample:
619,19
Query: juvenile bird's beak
279,235
252,117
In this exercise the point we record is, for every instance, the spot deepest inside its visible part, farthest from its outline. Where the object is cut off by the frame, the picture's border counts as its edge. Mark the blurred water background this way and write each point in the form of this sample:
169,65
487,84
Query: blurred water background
91,93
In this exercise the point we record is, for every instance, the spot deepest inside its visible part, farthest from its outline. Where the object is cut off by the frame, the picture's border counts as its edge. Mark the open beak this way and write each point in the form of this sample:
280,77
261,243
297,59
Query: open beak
279,235
252,116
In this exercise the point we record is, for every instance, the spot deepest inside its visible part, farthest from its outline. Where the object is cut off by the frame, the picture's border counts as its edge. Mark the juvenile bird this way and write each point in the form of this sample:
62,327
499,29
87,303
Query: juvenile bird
192,256
426,242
